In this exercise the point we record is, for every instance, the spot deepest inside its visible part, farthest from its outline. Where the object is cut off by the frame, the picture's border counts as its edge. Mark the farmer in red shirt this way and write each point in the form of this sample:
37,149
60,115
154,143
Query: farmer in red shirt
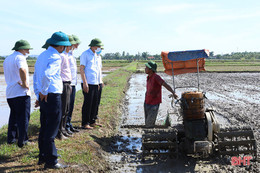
153,95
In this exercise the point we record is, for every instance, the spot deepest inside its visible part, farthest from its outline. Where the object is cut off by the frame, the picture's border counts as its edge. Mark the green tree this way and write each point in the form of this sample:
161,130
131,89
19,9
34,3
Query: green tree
145,55
117,55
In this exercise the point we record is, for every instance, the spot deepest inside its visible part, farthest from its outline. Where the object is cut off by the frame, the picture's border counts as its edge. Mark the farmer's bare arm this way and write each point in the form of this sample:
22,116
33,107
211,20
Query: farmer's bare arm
169,88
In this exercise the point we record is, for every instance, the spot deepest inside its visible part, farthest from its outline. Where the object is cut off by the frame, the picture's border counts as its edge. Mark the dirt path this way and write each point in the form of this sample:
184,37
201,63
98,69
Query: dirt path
235,97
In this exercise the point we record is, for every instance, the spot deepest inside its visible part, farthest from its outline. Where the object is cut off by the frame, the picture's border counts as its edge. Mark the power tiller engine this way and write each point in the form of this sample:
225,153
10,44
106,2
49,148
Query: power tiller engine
198,133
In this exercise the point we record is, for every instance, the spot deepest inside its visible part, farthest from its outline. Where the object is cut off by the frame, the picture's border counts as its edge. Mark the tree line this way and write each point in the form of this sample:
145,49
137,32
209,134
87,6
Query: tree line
239,56
145,55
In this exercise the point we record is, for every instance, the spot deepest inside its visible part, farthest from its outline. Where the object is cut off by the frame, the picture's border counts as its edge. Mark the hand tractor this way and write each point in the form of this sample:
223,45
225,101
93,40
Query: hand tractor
198,133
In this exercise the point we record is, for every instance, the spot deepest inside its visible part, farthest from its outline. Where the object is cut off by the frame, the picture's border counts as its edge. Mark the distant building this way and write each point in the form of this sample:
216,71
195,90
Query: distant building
150,57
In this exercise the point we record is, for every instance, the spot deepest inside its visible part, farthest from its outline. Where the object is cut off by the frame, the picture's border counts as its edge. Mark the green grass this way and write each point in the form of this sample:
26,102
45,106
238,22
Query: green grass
216,66
211,65
82,149
7,151
115,63
232,63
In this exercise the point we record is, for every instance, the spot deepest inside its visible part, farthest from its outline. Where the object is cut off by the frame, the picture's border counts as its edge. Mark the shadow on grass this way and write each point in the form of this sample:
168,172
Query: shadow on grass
7,159
11,163
3,138
20,168
3,158
33,130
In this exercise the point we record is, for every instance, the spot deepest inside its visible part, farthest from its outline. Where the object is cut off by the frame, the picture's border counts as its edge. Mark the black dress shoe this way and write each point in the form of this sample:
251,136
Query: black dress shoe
66,134
56,166
60,136
74,130
41,161
20,145
69,132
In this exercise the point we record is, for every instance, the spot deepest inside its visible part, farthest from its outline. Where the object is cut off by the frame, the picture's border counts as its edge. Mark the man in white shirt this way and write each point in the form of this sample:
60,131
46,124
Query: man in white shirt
90,75
73,67
101,85
18,93
65,96
48,88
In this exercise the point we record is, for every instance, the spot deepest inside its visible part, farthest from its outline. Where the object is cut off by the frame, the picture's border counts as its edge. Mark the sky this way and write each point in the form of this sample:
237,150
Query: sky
221,26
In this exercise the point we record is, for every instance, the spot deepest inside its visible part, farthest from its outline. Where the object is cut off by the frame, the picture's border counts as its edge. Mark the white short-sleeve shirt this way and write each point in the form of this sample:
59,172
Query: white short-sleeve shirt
12,64
91,61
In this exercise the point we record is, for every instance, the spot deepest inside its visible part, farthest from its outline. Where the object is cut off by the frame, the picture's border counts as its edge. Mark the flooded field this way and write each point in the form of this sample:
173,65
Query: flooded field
5,110
235,98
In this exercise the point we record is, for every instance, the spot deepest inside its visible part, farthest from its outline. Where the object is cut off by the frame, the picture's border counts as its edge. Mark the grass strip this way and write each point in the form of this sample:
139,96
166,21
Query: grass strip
84,150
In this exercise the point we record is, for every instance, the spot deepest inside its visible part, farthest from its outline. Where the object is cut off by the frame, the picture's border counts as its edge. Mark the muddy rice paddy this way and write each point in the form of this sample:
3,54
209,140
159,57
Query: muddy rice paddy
235,97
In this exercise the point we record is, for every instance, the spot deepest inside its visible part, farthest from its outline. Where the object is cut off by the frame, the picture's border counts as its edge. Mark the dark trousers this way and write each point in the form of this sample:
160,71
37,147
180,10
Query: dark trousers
89,108
65,103
98,100
50,120
71,107
19,119
150,114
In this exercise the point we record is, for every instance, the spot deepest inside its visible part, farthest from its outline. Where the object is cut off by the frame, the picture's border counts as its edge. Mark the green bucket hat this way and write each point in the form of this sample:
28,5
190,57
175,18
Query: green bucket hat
71,39
46,45
76,39
95,42
59,39
151,65
22,44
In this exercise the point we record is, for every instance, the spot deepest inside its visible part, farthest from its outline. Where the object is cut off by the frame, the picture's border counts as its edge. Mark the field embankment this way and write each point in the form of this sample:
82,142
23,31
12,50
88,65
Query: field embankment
210,66
83,152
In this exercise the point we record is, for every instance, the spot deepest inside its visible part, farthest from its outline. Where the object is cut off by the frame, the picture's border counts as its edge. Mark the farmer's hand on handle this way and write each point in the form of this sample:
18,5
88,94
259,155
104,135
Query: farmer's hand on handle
169,88
173,95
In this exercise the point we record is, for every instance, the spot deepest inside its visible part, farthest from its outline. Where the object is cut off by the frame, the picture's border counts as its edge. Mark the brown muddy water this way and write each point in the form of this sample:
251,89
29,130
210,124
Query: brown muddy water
235,98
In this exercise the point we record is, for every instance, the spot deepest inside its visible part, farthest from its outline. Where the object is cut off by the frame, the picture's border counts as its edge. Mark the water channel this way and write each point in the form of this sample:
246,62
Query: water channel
126,146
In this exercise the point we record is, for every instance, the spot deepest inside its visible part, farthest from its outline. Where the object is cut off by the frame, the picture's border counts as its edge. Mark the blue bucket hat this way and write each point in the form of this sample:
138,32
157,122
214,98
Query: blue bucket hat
46,45
59,39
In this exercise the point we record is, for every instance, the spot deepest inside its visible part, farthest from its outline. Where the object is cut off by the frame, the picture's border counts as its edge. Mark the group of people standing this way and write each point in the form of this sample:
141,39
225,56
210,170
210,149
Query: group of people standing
54,83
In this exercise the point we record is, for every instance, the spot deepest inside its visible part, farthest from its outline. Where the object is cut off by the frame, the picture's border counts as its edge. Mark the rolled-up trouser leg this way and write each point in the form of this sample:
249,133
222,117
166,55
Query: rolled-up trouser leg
150,112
